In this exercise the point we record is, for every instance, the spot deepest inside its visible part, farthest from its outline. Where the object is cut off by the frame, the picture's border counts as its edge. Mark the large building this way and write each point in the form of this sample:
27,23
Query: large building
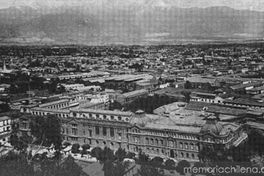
179,135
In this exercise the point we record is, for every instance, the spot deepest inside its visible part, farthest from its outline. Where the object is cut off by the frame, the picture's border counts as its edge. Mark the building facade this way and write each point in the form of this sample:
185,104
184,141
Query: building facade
5,129
154,135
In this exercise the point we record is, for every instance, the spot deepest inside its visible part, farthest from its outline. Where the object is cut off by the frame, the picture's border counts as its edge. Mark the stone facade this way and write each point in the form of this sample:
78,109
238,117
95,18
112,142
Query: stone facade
141,132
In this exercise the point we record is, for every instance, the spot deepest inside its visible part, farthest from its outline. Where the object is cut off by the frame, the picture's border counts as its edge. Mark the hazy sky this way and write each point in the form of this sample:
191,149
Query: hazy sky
237,4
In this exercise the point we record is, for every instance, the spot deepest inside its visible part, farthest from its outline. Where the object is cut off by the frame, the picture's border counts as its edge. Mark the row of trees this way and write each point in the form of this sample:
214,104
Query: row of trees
114,165
45,131
21,164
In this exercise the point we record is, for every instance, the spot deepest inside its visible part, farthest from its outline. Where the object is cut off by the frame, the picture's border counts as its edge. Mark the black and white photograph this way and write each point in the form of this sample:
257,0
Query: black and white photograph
131,87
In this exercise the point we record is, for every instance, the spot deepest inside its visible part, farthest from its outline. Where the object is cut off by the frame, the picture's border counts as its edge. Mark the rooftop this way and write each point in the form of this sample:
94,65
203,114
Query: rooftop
4,118
99,111
54,103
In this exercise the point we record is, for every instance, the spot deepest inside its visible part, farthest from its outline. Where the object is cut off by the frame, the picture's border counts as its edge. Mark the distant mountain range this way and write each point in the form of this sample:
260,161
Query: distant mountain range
133,24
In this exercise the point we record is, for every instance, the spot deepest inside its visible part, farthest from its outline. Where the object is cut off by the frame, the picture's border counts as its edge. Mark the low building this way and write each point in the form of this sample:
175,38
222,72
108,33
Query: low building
206,97
5,129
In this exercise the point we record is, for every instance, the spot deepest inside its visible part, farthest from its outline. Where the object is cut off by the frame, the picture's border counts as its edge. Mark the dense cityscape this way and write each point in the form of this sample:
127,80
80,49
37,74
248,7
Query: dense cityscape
130,110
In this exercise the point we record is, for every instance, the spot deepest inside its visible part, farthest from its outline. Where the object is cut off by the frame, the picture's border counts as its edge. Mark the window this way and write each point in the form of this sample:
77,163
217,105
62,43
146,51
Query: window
182,155
74,138
112,132
90,115
119,135
119,118
186,145
187,155
90,133
74,131
104,131
112,117
181,145
157,142
97,115
97,130
152,141
147,140
192,147
193,156
104,117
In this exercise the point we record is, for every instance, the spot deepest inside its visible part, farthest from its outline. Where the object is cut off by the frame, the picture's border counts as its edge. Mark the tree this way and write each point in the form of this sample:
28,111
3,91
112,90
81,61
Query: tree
20,143
66,144
47,130
120,154
142,157
15,165
85,147
130,155
187,85
75,148
169,163
156,161
69,167
181,165
97,153
187,95
4,107
115,168
107,154
147,170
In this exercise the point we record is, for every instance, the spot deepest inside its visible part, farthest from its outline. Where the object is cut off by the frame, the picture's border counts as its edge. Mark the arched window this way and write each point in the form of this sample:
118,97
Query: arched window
157,142
182,155
181,145
192,146
119,118
147,140
193,156
186,145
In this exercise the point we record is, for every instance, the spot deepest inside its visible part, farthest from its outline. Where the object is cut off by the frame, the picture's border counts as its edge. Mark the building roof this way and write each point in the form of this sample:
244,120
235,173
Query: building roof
51,110
200,79
242,86
243,101
100,111
4,118
54,103
256,125
135,93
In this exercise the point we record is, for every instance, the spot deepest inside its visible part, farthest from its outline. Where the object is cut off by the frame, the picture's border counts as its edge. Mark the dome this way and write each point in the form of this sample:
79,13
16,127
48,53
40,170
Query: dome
212,126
